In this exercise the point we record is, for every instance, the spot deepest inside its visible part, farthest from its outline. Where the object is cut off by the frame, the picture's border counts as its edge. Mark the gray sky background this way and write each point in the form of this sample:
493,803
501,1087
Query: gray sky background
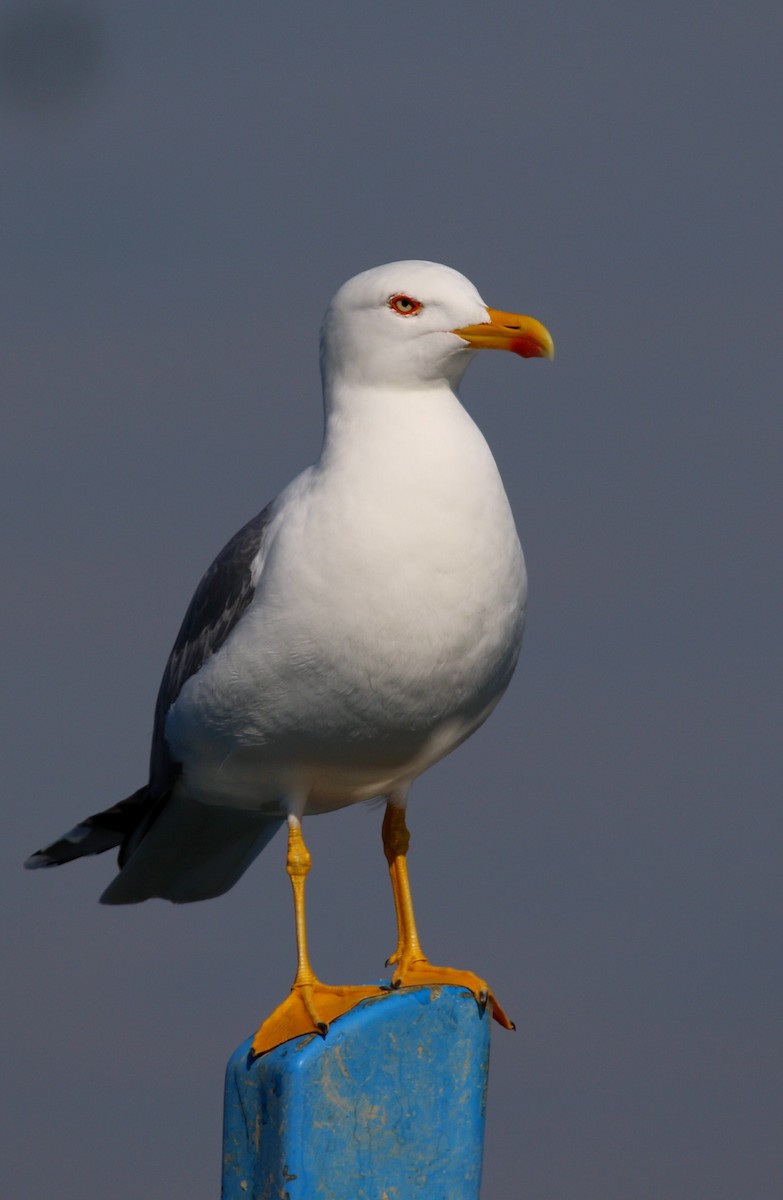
183,188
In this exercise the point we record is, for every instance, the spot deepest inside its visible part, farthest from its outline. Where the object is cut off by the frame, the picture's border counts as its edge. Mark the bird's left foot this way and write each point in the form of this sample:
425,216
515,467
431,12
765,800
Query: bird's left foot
308,1008
419,971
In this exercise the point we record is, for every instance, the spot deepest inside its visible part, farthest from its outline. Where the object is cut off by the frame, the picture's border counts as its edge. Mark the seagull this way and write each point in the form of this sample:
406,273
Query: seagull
352,634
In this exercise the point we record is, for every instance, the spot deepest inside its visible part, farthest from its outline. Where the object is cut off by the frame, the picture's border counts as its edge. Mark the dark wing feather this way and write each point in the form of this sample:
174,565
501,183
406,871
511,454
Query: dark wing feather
102,831
219,601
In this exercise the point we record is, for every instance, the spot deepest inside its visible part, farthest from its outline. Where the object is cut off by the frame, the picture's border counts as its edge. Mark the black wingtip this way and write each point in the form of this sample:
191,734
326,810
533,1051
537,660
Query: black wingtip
94,835
39,859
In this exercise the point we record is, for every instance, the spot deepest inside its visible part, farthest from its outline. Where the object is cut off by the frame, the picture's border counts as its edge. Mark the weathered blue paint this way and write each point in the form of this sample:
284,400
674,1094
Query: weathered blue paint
389,1106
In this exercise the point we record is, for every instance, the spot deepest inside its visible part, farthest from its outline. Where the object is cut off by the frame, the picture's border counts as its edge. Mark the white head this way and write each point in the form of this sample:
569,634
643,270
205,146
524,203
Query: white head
416,324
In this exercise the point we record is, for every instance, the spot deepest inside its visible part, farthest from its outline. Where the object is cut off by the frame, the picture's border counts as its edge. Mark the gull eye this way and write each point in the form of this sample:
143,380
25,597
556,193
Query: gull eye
406,306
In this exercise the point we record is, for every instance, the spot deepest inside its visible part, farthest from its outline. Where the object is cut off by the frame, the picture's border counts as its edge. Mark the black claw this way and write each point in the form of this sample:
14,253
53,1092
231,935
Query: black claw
513,1025
395,984
322,1028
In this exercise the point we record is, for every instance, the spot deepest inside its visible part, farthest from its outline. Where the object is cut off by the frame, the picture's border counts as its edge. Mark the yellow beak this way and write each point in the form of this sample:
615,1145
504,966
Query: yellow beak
510,331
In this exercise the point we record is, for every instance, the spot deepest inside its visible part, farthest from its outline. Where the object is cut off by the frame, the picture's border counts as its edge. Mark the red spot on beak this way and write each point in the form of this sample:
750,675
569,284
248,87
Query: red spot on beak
526,347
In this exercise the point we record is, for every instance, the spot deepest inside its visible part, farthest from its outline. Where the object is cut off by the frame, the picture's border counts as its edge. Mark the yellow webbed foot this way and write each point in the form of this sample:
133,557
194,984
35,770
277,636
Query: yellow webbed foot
420,971
308,1008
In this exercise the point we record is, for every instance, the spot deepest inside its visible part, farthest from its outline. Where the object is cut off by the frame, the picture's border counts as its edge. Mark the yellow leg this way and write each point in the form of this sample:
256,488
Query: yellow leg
396,840
412,965
311,1005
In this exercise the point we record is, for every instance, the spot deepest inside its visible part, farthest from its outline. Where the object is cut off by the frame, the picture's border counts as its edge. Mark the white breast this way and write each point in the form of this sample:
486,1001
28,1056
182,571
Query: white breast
386,622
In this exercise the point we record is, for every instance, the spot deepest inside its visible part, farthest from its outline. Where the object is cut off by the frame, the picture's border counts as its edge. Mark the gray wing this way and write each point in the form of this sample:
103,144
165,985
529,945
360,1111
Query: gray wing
218,602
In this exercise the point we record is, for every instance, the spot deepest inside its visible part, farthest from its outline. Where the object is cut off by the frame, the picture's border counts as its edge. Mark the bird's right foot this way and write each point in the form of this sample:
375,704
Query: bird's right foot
309,1008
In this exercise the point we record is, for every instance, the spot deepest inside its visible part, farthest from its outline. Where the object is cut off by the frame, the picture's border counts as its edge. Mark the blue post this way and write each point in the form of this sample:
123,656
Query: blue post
389,1105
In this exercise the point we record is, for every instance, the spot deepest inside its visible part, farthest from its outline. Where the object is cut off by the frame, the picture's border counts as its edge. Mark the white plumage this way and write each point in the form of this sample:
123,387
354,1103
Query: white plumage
371,617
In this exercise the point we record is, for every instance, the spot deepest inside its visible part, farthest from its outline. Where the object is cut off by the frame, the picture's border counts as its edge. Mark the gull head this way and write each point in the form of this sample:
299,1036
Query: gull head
416,324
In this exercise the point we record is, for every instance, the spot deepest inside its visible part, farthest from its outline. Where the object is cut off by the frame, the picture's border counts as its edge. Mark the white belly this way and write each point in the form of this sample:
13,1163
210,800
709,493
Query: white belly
385,626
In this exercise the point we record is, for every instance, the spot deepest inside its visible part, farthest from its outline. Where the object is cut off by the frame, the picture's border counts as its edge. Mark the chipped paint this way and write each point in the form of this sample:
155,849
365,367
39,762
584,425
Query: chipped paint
389,1105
